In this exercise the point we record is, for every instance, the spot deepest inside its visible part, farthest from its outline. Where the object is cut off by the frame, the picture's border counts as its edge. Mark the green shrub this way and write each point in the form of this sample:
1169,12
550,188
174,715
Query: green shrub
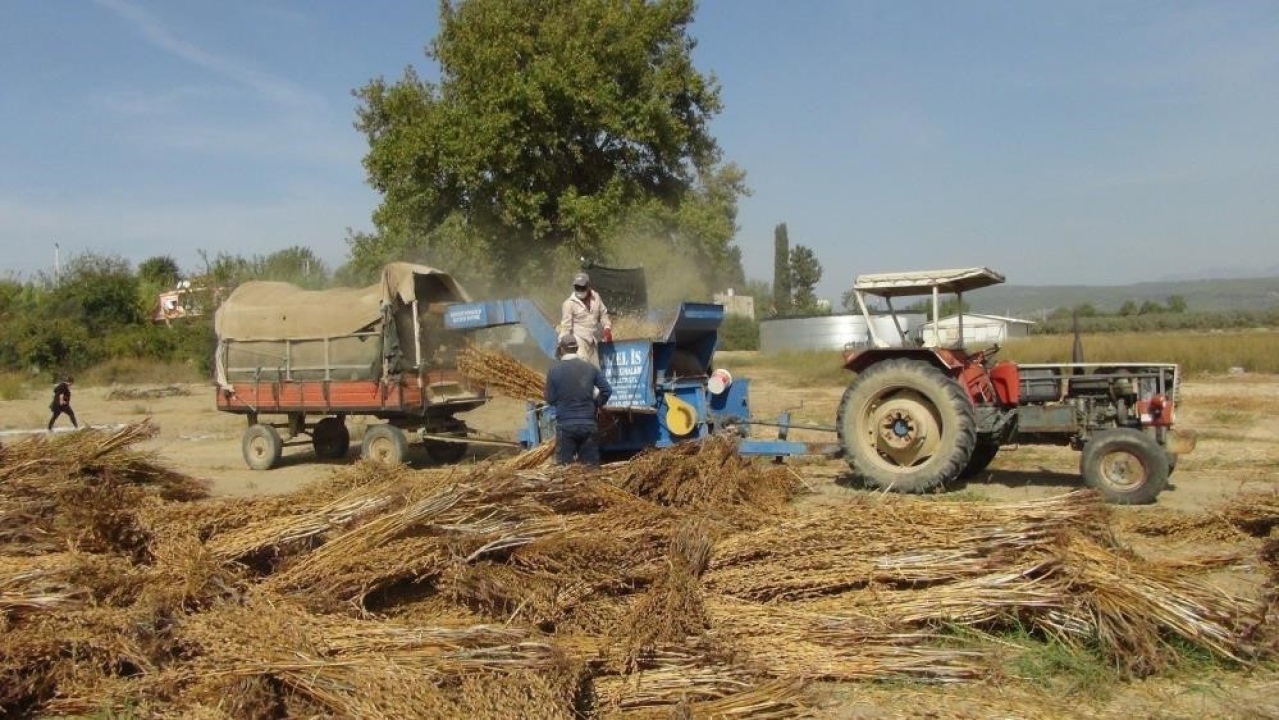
739,332
13,386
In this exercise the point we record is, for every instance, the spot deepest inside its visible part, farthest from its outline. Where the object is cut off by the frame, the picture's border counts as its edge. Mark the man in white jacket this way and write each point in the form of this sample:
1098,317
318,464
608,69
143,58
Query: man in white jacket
584,316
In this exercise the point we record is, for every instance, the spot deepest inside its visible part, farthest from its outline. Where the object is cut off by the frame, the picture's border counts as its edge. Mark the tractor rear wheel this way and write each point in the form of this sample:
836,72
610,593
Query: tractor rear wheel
905,426
262,446
330,438
983,453
1126,466
385,444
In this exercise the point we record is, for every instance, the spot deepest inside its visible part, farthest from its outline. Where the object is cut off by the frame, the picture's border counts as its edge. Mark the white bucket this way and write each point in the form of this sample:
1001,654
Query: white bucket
719,382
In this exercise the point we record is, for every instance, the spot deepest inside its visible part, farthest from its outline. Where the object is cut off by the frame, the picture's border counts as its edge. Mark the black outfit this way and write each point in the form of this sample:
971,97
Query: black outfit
62,404
570,388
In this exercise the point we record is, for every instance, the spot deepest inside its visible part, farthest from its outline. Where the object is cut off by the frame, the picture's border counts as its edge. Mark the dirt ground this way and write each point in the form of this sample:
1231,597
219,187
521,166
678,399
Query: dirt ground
1236,419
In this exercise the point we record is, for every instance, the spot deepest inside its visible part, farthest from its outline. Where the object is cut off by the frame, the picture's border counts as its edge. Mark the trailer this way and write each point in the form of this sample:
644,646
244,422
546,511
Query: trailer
297,363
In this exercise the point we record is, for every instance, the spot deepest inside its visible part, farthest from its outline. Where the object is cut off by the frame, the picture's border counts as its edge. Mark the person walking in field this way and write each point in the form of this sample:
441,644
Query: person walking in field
577,390
61,404
584,316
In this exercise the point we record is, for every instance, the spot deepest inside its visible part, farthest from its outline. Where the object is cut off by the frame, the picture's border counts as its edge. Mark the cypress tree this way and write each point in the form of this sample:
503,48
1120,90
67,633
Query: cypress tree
781,271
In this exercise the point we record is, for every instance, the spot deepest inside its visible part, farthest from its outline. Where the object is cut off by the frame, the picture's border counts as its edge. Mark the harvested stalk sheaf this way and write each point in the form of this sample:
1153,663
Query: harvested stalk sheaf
680,584
83,489
501,373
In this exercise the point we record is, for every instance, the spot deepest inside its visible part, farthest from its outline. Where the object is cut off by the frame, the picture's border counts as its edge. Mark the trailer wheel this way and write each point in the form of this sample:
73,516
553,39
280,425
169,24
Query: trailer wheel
330,438
445,453
385,444
1126,466
983,453
905,426
262,447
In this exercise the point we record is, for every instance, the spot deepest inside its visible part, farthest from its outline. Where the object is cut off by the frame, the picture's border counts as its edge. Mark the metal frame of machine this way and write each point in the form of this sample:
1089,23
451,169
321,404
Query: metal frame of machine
662,389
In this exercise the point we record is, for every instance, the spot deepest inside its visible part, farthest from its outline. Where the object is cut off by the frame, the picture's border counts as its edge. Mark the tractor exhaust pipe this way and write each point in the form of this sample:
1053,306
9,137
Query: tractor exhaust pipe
1076,351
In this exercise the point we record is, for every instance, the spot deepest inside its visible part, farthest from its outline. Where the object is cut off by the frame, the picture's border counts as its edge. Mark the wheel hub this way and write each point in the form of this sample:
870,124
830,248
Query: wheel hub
904,429
1123,470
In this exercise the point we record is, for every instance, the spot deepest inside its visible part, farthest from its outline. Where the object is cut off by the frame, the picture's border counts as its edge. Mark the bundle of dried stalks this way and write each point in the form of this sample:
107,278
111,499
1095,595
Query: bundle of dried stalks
893,541
1046,565
487,514
673,609
75,652
1130,606
531,458
710,475
54,583
501,373
784,641
1255,513
697,691
354,668
82,488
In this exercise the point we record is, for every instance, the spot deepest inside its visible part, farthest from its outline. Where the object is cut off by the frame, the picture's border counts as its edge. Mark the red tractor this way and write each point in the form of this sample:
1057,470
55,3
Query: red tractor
924,411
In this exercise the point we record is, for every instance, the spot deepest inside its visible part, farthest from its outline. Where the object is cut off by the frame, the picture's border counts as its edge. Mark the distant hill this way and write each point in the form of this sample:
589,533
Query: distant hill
1201,295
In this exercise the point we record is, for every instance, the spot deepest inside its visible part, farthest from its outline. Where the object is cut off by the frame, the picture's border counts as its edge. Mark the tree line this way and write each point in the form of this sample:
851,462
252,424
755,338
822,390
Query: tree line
98,307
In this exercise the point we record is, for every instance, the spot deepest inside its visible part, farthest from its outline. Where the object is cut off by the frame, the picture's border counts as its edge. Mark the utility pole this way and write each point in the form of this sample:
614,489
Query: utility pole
57,263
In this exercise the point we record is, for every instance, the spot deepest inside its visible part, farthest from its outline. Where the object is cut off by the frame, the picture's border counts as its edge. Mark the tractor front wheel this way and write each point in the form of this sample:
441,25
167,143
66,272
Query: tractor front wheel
385,444
905,426
1126,466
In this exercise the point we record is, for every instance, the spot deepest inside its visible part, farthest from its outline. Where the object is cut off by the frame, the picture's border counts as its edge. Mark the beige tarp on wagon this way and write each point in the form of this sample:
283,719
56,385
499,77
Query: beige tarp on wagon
266,329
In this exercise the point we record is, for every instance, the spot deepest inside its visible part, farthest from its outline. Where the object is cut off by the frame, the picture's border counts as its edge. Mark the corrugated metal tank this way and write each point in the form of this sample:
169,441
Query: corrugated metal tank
826,332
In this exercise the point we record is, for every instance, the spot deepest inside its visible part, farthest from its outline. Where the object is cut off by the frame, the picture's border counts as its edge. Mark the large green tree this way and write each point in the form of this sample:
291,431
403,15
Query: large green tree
553,125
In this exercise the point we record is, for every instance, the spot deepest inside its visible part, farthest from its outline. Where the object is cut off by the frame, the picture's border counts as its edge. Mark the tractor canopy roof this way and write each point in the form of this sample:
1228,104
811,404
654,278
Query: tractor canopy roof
922,282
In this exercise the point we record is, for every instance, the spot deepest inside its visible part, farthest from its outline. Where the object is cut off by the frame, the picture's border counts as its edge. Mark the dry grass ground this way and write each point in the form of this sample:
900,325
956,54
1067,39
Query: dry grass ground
1237,419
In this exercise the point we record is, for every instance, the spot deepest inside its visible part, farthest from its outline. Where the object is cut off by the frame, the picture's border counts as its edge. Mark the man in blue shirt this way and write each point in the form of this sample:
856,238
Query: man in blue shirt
577,390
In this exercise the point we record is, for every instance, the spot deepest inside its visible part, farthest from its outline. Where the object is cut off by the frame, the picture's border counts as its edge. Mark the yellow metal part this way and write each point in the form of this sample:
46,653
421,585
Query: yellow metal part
681,417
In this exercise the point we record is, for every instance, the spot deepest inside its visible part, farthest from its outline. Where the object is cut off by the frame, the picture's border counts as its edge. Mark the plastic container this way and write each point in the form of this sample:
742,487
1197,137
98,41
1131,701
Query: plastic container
719,381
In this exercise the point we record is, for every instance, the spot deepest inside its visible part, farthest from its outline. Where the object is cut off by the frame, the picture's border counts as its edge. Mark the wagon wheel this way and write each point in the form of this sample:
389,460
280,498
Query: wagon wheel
330,438
262,447
1128,467
905,426
385,444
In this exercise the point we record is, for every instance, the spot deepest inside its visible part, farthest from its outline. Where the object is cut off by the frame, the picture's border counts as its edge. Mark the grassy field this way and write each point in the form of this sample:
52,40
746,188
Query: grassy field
1197,353
125,371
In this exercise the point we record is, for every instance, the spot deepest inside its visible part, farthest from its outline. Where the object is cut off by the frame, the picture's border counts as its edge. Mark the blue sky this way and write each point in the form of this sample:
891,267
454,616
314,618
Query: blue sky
1062,143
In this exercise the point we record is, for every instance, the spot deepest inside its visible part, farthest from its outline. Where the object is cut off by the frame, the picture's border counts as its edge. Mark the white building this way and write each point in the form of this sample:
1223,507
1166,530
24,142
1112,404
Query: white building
979,330
735,304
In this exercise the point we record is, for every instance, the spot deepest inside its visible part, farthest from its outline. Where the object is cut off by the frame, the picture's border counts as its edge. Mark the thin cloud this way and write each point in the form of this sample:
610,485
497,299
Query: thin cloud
154,31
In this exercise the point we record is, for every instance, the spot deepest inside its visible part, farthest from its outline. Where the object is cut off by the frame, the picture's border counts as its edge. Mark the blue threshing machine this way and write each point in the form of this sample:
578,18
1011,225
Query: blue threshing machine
664,391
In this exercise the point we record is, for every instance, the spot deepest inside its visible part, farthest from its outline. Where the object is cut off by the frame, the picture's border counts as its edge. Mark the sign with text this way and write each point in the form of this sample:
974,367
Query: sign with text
628,368
466,315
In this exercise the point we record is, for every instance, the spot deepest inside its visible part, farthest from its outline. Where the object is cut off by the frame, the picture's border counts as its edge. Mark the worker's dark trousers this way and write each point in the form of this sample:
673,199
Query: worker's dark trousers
63,411
577,442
